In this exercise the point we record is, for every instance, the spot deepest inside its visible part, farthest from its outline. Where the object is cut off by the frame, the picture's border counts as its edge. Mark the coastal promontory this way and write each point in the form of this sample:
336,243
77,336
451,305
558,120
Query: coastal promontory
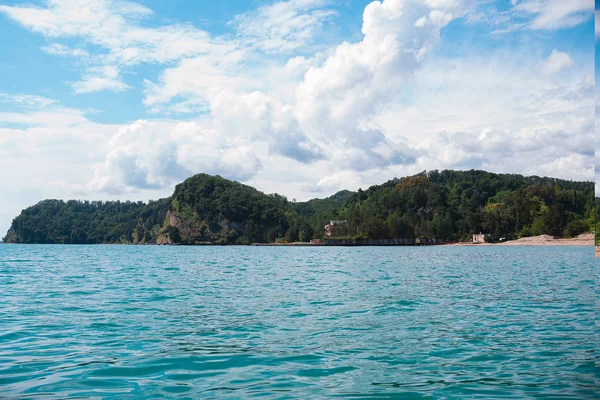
442,205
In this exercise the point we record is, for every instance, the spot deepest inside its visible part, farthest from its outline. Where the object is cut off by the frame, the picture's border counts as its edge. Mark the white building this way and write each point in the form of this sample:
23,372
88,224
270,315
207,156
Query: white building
479,238
329,228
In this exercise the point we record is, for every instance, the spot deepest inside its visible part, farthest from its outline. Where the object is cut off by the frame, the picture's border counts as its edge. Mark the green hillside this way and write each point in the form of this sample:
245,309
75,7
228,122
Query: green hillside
204,209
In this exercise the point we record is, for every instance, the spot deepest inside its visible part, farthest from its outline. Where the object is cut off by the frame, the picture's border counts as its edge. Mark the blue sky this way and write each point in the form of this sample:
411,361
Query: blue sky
104,99
22,59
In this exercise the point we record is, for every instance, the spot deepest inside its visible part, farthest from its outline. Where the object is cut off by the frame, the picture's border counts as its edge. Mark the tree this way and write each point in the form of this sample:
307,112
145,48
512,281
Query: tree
439,204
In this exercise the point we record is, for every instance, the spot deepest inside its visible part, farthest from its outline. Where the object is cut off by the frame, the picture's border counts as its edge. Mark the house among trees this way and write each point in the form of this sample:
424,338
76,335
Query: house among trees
331,226
479,238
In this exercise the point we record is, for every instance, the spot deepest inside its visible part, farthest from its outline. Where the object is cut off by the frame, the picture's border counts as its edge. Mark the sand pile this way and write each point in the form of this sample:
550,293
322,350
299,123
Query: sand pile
585,239
586,236
536,239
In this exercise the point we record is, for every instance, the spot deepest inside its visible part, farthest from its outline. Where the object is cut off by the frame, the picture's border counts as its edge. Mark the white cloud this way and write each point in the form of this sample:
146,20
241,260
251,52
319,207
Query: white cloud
555,14
45,151
355,114
445,4
246,125
97,79
27,101
283,26
338,181
196,79
115,27
57,118
537,15
64,51
154,155
569,167
498,113
556,62
597,144
336,100
37,111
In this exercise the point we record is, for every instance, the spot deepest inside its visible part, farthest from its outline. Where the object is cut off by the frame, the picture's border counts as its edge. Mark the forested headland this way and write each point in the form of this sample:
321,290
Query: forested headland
446,205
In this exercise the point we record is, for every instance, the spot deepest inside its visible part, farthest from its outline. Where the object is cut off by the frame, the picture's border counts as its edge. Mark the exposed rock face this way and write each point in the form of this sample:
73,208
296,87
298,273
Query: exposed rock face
190,230
208,209
164,239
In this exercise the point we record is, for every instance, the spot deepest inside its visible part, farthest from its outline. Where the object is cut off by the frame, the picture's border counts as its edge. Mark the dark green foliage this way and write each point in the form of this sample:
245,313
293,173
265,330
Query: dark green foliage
594,219
217,210
84,222
317,212
451,205
576,227
448,205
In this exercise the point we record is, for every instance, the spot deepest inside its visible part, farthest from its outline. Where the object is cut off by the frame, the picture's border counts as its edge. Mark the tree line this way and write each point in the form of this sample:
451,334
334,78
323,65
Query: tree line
448,205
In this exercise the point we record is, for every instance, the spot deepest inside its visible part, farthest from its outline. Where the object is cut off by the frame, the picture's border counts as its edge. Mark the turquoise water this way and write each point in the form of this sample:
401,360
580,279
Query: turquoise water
243,322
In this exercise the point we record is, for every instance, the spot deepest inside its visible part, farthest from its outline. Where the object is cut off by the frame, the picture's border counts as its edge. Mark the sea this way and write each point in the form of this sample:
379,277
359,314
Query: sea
241,322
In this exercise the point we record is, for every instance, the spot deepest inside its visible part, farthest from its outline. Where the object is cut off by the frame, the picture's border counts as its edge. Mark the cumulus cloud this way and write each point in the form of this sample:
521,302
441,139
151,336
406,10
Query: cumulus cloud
314,123
597,146
562,154
152,155
500,114
556,62
336,100
568,166
328,117
196,79
338,181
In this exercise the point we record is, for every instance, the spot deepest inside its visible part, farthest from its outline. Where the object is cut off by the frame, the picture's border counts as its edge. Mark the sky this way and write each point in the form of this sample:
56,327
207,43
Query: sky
111,99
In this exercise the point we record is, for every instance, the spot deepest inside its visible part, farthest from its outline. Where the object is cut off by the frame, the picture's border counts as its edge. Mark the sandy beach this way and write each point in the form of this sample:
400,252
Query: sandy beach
586,239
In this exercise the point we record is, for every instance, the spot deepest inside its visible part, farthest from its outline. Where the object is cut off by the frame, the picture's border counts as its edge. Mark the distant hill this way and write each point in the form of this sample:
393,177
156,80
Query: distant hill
204,209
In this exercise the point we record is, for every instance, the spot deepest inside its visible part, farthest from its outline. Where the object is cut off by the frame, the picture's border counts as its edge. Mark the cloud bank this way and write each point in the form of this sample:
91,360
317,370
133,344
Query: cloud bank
272,105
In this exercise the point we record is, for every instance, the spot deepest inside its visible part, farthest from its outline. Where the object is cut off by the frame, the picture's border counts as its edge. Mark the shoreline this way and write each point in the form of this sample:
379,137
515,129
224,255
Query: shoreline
586,239
543,240
525,242
514,243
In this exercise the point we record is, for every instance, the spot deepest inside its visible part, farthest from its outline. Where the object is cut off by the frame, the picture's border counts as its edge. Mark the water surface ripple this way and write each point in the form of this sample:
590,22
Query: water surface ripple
244,322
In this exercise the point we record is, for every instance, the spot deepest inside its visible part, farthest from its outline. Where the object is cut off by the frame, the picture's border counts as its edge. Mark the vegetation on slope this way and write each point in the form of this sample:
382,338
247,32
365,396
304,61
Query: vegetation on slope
447,205
451,205
597,222
212,209
84,222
